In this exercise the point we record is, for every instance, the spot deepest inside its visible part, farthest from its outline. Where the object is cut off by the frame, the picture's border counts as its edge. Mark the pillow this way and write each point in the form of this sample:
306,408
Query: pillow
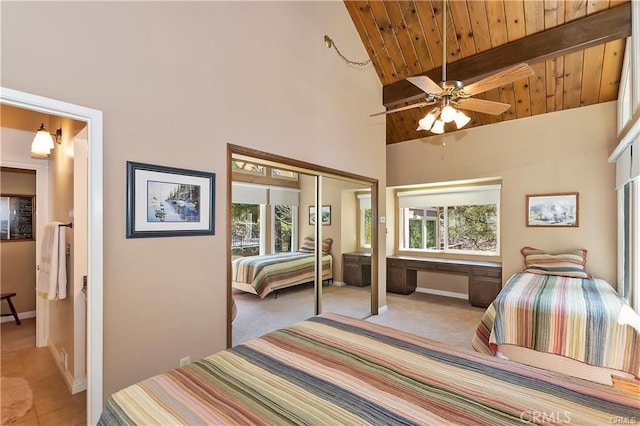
571,264
309,245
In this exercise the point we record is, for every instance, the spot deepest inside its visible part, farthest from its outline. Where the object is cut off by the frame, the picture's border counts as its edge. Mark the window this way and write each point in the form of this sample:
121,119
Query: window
264,219
245,229
450,220
284,174
248,167
364,220
283,226
628,255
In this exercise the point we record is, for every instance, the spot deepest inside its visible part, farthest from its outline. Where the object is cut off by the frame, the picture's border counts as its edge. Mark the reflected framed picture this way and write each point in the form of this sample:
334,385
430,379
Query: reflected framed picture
168,201
325,214
553,210
17,213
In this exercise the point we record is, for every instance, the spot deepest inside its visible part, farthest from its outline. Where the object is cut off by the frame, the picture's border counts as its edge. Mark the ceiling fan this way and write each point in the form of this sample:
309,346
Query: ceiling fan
452,94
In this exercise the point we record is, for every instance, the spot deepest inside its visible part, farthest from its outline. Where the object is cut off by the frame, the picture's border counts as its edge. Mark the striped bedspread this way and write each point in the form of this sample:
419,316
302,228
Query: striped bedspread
264,274
583,319
336,370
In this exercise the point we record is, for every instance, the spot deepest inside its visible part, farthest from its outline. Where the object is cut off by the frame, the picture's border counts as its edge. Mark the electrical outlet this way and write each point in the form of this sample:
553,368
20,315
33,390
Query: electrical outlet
63,359
184,361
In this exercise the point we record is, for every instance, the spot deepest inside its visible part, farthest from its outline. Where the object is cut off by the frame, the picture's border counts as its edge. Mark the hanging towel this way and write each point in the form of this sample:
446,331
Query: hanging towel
52,279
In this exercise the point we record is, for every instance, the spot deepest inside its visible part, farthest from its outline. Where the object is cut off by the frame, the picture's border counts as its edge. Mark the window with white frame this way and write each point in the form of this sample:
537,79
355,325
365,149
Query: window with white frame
364,220
463,220
284,213
256,209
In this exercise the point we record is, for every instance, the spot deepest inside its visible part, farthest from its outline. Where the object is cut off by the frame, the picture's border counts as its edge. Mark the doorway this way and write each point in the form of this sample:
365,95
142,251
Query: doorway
312,198
93,120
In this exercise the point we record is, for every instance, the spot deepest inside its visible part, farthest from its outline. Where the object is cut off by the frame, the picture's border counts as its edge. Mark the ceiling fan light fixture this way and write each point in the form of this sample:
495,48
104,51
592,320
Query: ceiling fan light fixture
448,114
461,119
427,121
438,127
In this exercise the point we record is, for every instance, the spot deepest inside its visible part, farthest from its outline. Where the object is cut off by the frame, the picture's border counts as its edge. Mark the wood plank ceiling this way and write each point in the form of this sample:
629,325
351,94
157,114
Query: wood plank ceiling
575,49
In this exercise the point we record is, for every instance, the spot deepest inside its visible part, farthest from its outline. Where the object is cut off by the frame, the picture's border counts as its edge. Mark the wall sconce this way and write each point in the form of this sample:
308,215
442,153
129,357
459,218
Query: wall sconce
43,141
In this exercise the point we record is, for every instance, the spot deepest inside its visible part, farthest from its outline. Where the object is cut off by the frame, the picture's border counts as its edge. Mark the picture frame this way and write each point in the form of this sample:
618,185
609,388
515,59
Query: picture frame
553,210
169,201
17,214
326,215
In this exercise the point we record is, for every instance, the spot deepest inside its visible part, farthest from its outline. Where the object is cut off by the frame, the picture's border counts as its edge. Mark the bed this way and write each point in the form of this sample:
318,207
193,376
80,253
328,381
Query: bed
576,324
332,369
264,274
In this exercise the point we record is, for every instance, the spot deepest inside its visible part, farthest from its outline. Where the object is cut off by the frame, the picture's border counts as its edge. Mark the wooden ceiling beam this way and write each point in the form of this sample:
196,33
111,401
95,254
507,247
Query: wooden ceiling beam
592,30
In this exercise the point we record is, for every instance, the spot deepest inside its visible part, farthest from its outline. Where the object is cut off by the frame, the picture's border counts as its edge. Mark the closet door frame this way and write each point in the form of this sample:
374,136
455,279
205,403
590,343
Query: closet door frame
319,172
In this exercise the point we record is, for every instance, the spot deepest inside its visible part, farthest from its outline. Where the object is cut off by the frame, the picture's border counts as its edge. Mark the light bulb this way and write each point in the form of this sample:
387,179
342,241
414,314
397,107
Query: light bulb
461,119
426,122
42,143
448,114
438,127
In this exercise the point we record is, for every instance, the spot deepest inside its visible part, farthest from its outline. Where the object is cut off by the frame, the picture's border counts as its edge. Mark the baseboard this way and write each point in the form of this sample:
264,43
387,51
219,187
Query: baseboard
21,315
442,293
74,385
337,283
79,386
382,309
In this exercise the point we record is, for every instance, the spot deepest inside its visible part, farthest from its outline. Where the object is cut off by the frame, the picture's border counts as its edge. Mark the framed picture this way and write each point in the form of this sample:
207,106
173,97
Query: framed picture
167,202
16,217
553,210
326,215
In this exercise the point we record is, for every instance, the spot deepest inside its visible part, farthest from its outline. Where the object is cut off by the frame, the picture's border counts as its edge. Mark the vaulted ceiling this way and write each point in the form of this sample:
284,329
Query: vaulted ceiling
574,47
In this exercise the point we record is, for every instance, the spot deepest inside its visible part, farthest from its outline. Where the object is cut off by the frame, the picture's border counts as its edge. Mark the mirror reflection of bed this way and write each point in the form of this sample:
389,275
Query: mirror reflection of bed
273,246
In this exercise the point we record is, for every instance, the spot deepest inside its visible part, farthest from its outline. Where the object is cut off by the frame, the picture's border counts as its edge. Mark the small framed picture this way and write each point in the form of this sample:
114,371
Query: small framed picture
167,201
553,210
326,215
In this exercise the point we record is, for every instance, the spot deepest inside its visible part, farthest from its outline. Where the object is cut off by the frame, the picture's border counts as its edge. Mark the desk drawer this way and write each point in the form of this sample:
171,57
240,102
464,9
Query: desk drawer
394,263
452,267
346,258
486,272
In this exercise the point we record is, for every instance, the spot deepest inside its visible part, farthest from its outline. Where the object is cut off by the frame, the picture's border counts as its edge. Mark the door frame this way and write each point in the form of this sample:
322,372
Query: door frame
42,215
94,120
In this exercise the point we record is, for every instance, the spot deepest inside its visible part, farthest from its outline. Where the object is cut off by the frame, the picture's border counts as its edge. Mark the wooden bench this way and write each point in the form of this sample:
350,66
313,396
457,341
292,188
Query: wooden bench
13,313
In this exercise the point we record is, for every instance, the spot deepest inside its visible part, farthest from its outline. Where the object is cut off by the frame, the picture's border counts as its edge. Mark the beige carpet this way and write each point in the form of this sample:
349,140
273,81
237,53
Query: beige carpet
437,317
259,316
16,399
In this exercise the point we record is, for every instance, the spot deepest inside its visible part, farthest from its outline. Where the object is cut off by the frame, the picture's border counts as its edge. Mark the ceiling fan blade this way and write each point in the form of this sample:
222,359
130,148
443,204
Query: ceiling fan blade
425,84
404,108
498,79
482,105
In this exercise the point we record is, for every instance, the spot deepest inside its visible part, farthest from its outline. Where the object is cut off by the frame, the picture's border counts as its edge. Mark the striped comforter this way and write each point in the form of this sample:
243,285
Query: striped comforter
583,319
264,274
336,370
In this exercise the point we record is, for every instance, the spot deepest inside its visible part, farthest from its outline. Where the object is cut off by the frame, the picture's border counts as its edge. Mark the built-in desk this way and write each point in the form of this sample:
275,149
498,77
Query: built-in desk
485,278
356,268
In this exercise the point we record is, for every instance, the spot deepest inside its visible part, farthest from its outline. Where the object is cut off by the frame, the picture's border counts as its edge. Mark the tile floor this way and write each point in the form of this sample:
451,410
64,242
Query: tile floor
53,404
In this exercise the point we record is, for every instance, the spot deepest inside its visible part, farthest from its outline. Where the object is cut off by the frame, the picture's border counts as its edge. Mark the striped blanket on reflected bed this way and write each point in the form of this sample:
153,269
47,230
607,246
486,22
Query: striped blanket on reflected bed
581,318
336,370
266,273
